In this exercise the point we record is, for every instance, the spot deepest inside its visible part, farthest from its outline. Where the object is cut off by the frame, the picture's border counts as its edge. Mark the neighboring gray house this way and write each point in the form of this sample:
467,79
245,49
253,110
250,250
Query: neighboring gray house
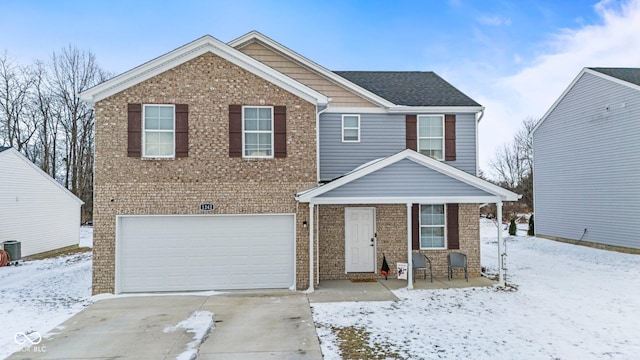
586,178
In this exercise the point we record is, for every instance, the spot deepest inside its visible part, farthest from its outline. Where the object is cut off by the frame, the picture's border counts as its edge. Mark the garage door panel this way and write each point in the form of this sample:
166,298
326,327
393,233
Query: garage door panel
175,253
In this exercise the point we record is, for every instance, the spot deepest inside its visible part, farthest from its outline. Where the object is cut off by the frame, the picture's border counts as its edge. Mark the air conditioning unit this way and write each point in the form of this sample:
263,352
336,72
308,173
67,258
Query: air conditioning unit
14,249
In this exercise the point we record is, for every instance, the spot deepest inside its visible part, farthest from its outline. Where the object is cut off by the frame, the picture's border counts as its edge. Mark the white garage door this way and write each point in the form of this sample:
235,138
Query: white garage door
214,252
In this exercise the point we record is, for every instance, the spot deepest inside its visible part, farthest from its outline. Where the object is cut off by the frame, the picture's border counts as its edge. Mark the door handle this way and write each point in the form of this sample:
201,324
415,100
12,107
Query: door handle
373,240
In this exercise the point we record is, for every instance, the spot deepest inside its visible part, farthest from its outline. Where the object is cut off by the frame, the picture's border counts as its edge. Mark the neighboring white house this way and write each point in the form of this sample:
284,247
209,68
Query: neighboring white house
36,209
586,176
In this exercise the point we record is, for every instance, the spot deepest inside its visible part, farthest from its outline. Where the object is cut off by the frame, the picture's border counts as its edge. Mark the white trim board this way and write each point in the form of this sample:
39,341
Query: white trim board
190,51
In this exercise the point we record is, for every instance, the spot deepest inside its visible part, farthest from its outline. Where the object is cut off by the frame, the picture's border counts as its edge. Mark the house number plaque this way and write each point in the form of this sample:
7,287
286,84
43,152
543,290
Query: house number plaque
206,207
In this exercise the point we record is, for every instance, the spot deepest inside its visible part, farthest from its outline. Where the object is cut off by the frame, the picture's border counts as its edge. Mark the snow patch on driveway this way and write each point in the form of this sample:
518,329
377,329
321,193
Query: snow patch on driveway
200,323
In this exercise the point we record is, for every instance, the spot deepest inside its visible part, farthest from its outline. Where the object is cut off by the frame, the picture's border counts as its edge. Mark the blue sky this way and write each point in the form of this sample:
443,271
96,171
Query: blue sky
514,57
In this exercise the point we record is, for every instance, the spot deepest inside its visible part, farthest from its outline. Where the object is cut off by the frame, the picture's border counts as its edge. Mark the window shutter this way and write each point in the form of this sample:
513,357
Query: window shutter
415,227
134,130
235,130
450,137
182,130
411,129
280,131
453,230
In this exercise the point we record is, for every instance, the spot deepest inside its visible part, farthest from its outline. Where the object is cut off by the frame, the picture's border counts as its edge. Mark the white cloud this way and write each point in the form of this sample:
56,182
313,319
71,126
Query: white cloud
494,20
614,42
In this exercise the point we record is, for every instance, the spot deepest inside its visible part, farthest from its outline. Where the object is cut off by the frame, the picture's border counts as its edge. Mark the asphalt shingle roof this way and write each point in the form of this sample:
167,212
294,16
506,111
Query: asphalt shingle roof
409,88
630,75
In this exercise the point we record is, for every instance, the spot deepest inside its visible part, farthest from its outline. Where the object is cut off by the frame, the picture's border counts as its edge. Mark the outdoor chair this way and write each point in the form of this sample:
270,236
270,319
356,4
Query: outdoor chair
419,262
457,261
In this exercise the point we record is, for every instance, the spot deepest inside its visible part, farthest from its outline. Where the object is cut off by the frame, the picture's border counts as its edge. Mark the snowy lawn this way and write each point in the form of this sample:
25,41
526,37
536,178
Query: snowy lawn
39,295
571,302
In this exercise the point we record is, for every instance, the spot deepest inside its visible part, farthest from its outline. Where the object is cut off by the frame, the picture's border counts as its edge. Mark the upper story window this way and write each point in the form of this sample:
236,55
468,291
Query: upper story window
432,225
257,131
158,132
350,128
431,136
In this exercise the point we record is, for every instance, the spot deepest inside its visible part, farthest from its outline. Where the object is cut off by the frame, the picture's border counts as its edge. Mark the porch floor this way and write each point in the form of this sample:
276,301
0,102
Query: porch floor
345,290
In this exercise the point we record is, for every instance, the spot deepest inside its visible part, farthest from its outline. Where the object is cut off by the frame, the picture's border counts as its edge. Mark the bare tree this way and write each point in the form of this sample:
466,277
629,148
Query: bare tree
72,72
513,163
15,85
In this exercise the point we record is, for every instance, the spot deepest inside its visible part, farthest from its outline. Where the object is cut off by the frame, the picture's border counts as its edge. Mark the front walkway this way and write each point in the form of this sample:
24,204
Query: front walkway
345,290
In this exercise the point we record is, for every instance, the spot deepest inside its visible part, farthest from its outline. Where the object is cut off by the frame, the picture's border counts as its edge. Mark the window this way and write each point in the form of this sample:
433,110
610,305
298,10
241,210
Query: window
158,133
257,131
350,128
431,136
432,225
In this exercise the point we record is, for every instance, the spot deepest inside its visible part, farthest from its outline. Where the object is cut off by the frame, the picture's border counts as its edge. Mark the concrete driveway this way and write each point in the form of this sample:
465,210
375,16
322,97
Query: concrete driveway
248,325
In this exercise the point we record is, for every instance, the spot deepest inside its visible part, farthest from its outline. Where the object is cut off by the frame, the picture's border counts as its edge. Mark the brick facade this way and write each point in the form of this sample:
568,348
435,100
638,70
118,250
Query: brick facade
208,84
391,226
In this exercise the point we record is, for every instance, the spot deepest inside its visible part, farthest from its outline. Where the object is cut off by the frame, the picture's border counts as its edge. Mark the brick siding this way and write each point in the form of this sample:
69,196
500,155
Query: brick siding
208,84
391,226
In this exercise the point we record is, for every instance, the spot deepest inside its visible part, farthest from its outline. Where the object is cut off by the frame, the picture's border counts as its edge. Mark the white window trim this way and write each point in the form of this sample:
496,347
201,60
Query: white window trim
444,207
258,132
432,137
350,128
144,132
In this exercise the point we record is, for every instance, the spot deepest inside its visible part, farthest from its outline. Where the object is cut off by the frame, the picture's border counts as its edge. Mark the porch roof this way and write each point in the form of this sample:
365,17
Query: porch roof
406,177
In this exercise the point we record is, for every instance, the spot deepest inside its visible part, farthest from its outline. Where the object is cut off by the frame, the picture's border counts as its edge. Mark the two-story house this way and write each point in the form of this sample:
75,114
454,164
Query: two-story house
245,165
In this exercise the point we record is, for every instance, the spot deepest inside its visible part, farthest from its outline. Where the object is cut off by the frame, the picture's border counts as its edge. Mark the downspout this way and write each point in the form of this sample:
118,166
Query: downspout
478,118
318,113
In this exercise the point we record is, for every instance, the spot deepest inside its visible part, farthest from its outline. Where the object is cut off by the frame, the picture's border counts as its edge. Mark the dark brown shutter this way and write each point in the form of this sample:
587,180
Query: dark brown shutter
280,131
453,230
450,137
134,130
182,130
235,130
415,226
411,129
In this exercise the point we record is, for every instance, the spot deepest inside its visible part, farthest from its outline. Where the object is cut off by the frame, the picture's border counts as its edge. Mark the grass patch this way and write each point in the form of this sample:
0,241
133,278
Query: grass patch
69,250
354,343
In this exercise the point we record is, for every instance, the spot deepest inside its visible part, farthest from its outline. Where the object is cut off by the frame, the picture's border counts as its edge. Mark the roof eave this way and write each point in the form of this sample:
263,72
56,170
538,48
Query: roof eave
402,109
190,51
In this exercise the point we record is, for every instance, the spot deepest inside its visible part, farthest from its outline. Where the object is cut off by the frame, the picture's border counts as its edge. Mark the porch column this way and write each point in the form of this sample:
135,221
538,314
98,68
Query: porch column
409,247
500,265
311,217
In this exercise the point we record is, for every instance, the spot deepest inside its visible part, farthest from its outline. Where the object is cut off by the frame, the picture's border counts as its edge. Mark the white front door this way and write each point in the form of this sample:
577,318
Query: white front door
360,243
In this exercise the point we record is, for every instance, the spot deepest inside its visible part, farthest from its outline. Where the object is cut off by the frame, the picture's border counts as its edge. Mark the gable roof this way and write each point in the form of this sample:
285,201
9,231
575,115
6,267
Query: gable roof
494,191
9,150
190,51
257,36
629,77
394,90
410,88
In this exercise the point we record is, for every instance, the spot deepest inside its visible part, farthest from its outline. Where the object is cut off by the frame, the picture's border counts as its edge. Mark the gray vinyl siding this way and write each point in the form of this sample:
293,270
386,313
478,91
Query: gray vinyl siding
405,178
587,165
382,135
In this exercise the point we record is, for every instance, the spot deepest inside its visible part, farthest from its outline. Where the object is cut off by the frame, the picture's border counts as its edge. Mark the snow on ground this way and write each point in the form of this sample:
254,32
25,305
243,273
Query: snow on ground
39,295
200,323
571,302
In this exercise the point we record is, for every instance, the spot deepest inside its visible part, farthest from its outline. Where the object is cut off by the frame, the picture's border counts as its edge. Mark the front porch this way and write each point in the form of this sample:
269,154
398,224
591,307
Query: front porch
381,290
